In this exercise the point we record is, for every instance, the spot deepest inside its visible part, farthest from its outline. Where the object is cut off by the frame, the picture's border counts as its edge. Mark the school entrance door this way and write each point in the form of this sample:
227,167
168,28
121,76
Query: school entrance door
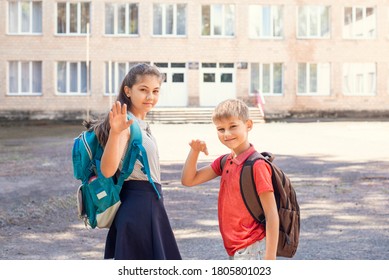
217,83
174,91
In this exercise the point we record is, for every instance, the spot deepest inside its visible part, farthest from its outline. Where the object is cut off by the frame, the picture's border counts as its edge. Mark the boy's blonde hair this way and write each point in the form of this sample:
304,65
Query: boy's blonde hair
231,108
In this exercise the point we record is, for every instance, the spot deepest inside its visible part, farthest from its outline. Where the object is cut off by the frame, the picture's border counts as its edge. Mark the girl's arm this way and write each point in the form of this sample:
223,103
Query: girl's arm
117,139
272,224
192,176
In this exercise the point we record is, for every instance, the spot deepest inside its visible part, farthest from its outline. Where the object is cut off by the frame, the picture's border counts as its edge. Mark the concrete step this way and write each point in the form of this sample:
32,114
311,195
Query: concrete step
191,115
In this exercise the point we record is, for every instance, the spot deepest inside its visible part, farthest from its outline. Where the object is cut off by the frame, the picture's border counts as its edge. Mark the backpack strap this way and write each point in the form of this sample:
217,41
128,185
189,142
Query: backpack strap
136,151
247,185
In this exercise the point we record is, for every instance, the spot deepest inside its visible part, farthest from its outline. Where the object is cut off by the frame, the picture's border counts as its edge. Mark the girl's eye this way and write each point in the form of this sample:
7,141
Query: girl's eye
221,130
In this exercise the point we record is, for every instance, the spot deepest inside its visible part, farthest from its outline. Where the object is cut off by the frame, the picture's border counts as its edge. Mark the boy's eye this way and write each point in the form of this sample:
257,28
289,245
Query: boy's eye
221,130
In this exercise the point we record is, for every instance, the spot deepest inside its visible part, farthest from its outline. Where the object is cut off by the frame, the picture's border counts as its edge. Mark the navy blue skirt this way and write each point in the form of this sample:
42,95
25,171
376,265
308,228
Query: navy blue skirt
141,229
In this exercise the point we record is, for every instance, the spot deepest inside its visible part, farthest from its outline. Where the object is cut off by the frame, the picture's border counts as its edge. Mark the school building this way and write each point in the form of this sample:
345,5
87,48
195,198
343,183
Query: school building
65,58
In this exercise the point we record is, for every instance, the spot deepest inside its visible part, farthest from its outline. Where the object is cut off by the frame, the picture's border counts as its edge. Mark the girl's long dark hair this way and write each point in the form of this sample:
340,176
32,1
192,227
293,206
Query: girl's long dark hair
102,127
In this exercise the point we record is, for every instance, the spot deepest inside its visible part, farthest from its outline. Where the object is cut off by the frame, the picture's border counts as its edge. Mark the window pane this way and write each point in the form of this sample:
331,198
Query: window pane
157,28
217,19
277,78
121,19
84,17
25,16
37,76
313,78
13,17
226,65
133,19
209,78
109,19
37,17
254,86
73,77
208,65
313,26
169,19
61,77
25,76
266,21
181,21
121,74
178,78
61,19
73,17
226,78
302,78
302,24
325,21
229,20
206,20
178,65
13,77
84,77
266,78
277,21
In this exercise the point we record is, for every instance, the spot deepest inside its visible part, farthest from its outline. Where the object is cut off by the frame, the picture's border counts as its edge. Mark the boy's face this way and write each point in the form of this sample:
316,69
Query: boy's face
233,133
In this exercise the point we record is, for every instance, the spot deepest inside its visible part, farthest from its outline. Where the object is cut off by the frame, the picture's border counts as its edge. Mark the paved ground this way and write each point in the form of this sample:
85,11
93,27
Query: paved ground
340,171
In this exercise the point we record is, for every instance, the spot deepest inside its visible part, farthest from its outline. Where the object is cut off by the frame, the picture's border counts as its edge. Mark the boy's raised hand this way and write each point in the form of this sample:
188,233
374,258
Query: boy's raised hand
118,118
199,146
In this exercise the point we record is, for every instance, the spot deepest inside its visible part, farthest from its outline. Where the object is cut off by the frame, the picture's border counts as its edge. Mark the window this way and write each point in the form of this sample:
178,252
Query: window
25,17
114,75
266,21
266,78
73,17
359,78
169,19
313,22
72,77
359,22
25,77
218,20
313,79
121,19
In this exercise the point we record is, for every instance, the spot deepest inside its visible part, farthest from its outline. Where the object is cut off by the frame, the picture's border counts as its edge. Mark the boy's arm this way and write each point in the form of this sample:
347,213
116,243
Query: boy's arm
192,176
272,224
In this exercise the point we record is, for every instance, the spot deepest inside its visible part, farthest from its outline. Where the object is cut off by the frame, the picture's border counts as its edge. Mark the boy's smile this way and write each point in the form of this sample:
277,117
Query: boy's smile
233,133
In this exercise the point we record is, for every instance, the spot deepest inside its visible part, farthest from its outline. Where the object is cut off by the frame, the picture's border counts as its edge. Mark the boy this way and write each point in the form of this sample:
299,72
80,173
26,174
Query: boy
243,237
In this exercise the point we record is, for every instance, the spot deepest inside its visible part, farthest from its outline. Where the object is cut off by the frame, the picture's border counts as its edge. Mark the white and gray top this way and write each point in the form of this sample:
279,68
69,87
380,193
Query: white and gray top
150,144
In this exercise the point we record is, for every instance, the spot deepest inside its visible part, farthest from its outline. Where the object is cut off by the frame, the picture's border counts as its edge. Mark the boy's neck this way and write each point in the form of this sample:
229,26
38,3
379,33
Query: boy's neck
240,149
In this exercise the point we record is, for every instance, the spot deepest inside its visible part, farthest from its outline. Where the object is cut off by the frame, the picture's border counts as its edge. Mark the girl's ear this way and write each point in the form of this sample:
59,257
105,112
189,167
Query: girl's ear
127,91
249,124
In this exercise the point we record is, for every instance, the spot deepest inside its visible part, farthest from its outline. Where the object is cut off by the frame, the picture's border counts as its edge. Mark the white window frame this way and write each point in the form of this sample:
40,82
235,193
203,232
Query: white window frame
320,84
79,20
256,11
212,25
32,18
271,78
128,10
365,32
68,78
21,76
359,70
175,21
112,80
313,11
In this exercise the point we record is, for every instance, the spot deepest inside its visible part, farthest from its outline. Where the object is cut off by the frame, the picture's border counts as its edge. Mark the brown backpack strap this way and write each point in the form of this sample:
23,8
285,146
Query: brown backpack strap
223,162
247,185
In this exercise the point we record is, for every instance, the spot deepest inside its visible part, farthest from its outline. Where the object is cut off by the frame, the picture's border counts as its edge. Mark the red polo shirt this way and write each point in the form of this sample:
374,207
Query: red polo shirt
237,227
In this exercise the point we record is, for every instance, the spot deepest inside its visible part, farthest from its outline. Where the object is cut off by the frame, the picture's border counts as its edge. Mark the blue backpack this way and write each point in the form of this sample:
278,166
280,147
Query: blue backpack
98,197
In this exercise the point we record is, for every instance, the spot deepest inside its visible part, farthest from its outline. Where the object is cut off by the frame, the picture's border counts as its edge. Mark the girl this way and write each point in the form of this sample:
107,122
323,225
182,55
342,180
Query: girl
141,229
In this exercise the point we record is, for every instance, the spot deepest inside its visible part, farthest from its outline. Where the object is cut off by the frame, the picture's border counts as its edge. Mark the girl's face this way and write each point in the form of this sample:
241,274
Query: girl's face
233,133
144,95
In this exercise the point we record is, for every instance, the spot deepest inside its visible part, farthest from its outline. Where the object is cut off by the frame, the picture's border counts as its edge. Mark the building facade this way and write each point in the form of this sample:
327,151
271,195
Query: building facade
60,59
